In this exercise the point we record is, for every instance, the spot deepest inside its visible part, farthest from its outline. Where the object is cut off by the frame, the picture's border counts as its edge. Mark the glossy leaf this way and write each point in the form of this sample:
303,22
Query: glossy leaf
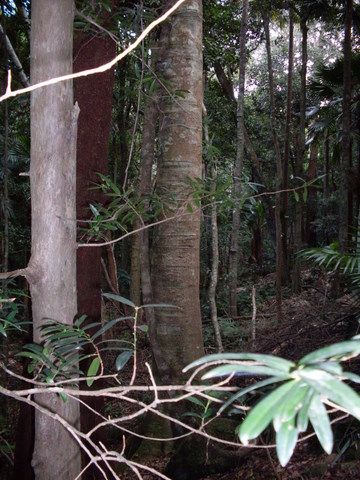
249,389
196,401
119,298
92,371
242,370
122,359
262,414
338,350
303,415
286,438
292,404
268,360
319,419
108,326
333,389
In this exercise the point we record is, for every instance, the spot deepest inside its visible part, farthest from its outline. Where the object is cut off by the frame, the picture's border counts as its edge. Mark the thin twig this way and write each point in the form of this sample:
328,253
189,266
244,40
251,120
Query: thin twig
91,71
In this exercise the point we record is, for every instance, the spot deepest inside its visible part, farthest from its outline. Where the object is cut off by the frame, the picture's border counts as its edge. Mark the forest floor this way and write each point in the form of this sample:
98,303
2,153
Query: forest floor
311,319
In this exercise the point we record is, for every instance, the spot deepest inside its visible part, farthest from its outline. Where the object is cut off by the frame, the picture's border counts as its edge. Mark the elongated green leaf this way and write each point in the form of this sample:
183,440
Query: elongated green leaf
337,350
122,359
64,350
94,210
91,325
119,298
291,405
247,370
36,355
196,401
319,419
262,414
332,367
34,347
268,360
303,415
192,415
333,389
286,438
92,371
249,389
351,376
32,355
79,321
107,327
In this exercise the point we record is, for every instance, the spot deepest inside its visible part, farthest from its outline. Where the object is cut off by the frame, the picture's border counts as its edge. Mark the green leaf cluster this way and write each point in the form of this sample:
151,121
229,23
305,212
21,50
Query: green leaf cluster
305,391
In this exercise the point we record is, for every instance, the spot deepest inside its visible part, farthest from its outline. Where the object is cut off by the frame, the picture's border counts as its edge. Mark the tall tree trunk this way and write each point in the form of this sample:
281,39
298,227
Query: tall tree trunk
326,190
94,96
285,185
147,162
301,148
122,155
5,199
228,90
214,234
310,232
238,166
52,268
175,269
346,130
279,173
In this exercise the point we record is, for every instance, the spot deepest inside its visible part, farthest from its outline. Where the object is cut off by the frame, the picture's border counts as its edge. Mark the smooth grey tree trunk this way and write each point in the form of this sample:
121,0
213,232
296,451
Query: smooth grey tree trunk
175,266
52,268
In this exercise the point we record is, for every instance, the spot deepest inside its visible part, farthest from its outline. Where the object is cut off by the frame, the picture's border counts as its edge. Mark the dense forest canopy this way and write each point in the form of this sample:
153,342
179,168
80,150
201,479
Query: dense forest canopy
179,231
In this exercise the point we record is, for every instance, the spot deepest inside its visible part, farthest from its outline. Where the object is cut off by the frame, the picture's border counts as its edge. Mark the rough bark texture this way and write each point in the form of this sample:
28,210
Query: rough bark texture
279,173
94,96
175,271
238,166
346,131
52,268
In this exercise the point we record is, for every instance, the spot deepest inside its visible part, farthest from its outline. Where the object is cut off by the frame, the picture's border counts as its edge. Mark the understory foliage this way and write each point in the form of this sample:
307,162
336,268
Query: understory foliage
307,388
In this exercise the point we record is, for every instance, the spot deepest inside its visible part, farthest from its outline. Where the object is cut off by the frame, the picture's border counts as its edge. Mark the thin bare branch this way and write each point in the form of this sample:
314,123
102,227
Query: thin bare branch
91,71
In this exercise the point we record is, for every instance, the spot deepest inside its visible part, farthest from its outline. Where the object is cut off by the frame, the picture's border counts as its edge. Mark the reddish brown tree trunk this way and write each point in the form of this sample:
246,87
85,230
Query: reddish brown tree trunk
94,96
